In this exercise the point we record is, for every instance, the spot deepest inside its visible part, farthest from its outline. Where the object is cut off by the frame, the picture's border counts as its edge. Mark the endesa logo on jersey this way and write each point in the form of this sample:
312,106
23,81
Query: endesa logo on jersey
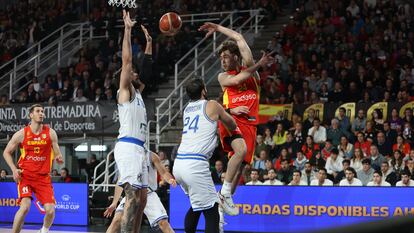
243,98
36,158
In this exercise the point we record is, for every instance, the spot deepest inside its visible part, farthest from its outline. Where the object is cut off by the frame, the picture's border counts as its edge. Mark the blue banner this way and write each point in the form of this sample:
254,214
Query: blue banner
291,209
71,204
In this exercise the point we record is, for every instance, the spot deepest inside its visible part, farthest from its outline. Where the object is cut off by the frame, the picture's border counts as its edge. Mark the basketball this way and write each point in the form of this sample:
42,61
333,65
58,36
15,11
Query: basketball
170,23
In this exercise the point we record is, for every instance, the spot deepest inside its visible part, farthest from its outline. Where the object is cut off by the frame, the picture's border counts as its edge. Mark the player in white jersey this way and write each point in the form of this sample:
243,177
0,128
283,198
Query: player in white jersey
154,210
129,150
191,166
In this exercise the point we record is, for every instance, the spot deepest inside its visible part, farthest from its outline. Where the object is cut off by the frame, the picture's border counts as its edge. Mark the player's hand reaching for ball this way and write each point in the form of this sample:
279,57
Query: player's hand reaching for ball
239,110
17,175
127,20
209,27
266,59
147,35
108,212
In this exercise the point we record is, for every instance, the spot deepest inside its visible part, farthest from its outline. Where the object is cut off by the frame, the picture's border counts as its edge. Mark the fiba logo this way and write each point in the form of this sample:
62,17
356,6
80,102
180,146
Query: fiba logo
65,197
25,190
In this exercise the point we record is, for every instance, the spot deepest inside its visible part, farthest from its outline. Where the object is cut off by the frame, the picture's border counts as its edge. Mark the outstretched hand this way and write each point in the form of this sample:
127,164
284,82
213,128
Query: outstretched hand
266,59
147,35
109,210
128,22
209,27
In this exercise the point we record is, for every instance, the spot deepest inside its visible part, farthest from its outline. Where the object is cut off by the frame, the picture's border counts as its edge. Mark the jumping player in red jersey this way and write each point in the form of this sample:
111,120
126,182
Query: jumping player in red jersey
240,84
38,147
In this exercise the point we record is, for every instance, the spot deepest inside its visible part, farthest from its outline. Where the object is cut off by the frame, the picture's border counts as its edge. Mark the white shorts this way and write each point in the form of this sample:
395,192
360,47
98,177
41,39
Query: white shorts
194,177
132,163
154,210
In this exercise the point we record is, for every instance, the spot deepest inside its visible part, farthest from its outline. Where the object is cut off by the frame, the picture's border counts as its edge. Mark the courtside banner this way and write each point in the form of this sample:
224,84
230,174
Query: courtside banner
71,204
291,209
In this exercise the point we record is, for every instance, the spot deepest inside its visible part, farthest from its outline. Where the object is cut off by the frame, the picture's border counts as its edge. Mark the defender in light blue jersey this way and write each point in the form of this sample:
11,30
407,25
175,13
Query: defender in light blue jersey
191,167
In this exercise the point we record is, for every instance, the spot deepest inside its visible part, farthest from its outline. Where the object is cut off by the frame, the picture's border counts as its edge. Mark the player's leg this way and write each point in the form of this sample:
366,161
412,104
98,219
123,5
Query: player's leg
165,226
21,214
115,226
191,220
49,217
131,219
212,219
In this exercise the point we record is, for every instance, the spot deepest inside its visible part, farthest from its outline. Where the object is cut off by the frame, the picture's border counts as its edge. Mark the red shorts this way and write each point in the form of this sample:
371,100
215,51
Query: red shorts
245,131
41,186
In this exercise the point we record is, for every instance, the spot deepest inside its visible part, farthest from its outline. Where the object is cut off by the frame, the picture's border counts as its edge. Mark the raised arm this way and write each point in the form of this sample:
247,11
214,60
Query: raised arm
125,79
162,171
227,80
146,66
245,51
10,149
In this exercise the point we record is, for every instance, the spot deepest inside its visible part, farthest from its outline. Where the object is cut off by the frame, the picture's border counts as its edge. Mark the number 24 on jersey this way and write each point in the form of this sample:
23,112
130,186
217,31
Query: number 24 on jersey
191,124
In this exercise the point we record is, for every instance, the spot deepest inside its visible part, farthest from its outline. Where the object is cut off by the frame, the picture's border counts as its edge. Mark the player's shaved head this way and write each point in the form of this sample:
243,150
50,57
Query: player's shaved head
195,88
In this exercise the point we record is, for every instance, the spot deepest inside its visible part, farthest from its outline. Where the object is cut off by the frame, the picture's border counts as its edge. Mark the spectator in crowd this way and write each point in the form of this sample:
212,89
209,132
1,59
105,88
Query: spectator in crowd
318,132
390,134
370,131
389,175
265,173
4,101
322,179
363,144
376,157
350,180
90,166
401,146
300,161
409,168
55,172
308,123
308,174
334,163
377,118
405,180
163,158
217,171
408,133
395,122
285,172
64,175
358,125
365,175
296,179
254,176
397,162
268,139
317,160
3,175
356,160
310,148
343,120
272,178
284,154
260,145
341,175
377,180
259,163
279,137
346,149
335,133
384,147
326,151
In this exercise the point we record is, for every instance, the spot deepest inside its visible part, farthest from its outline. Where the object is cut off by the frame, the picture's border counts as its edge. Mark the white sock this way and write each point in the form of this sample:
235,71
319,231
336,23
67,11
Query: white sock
44,230
226,188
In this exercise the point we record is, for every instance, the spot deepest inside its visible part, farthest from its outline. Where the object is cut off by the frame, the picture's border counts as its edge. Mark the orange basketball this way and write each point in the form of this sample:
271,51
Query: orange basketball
170,23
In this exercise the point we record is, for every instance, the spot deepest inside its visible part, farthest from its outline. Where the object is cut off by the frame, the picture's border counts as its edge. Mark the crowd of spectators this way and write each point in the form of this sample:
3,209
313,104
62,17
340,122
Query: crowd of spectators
343,51
89,76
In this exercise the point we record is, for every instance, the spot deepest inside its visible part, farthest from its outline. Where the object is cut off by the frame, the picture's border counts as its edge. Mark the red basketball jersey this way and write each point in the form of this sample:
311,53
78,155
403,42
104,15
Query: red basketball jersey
245,94
36,153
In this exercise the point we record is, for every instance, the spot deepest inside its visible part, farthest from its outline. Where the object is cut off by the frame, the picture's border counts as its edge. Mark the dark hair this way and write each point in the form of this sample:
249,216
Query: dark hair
66,170
346,161
335,151
351,169
4,171
404,173
342,108
366,161
297,171
378,172
32,108
323,169
254,170
231,46
271,169
194,88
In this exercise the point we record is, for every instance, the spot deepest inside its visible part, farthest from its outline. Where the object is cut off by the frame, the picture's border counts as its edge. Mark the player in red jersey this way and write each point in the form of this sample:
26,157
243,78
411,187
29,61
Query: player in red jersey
241,85
38,147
